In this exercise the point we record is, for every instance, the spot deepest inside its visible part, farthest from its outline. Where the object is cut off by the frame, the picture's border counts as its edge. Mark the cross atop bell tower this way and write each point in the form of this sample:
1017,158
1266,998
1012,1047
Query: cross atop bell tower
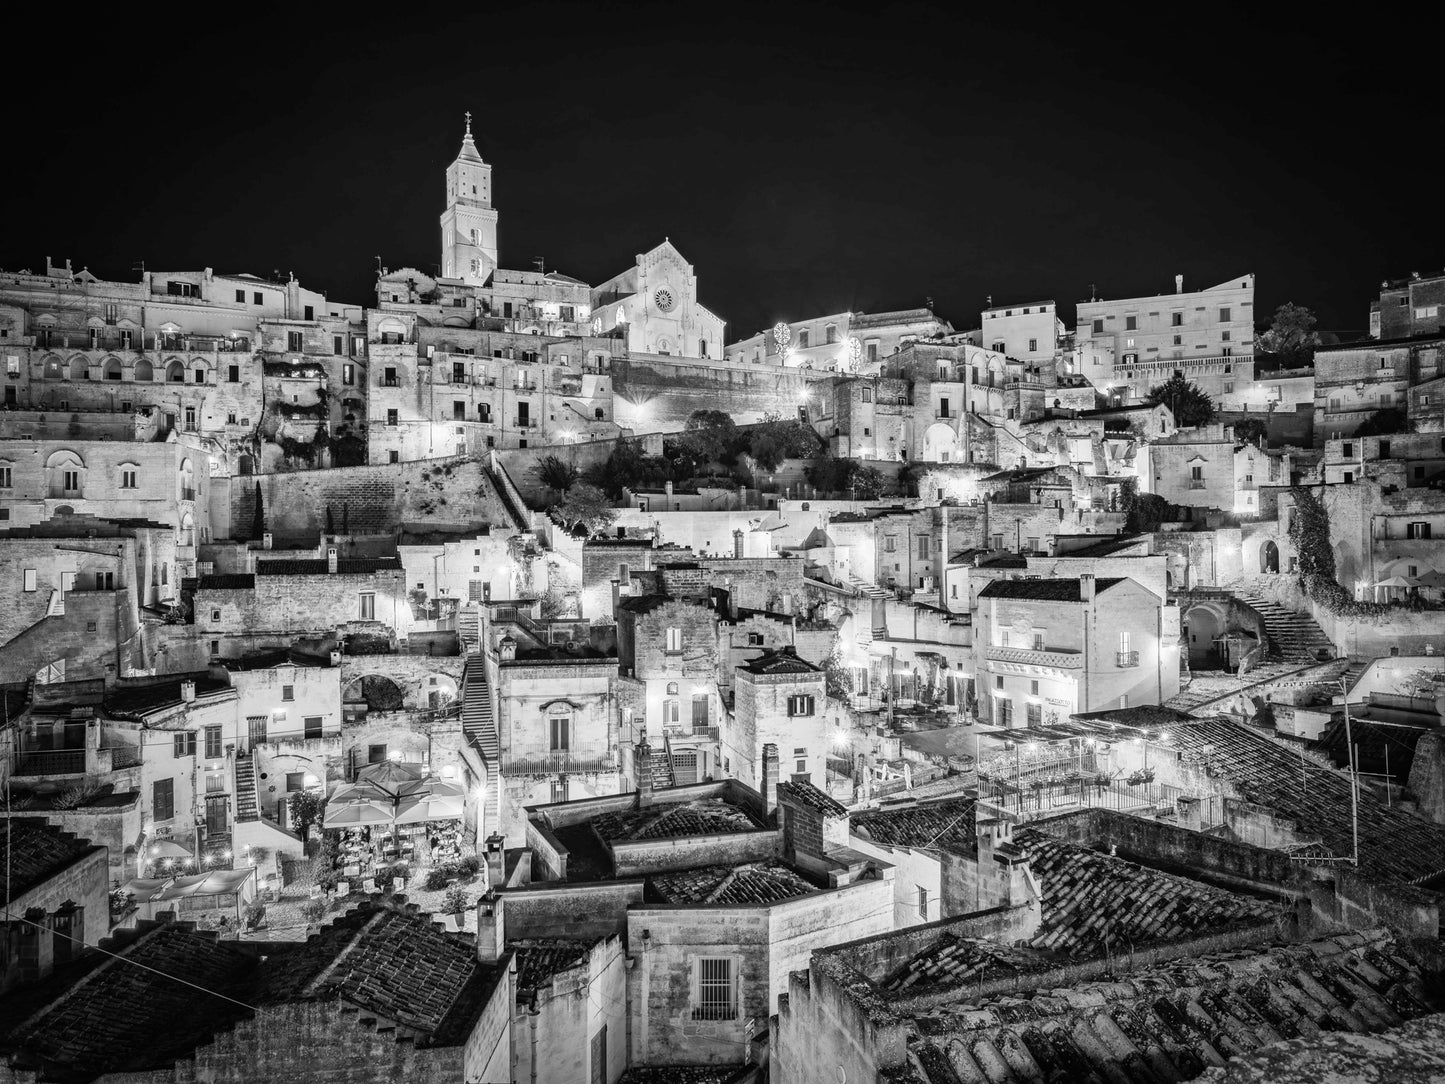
469,224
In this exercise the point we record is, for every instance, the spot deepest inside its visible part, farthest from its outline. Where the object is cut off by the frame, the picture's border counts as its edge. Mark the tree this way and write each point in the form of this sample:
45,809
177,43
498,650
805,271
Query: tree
587,508
623,468
330,526
866,483
556,475
306,808
1185,400
709,435
774,440
1291,333
1251,431
829,474
1382,423
258,516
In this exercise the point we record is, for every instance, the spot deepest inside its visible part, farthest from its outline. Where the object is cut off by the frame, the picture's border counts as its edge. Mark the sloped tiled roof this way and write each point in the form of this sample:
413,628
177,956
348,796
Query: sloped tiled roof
226,581
1041,590
1395,845
1093,902
699,817
783,661
948,824
136,699
956,960
754,882
1171,1021
810,797
34,852
540,958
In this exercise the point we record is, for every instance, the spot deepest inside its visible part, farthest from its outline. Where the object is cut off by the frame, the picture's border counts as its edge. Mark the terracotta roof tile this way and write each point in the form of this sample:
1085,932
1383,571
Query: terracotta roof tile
1045,590
949,823
700,817
34,852
756,882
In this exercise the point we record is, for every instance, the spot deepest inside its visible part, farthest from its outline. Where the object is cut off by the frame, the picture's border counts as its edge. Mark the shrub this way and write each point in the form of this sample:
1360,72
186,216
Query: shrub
464,867
435,879
77,794
455,901
313,911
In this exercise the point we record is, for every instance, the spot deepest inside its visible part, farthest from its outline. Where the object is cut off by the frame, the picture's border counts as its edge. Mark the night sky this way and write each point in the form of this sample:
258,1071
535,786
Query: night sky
807,159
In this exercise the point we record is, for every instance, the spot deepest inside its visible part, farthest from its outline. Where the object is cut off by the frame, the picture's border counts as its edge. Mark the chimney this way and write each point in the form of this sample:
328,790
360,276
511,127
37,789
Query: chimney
188,691
769,787
738,543
335,656
331,559
496,859
266,541
1086,588
667,488
1178,284
642,768
491,934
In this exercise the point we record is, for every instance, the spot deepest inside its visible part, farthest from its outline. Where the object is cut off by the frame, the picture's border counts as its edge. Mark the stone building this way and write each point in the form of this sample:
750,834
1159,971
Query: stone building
1353,381
1030,332
1410,307
656,299
1208,335
844,342
1046,648
778,701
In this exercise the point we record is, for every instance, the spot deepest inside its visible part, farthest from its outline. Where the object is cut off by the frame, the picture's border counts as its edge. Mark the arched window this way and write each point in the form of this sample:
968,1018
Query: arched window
175,373
112,369
79,370
54,369
143,371
672,688
66,475
165,575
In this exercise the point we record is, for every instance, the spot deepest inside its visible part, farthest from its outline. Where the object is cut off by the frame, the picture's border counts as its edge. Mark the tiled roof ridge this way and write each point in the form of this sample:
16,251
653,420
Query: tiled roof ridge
313,987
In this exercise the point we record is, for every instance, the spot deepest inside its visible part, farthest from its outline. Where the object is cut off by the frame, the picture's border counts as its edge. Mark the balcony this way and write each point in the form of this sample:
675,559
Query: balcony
390,382
1126,659
1196,483
694,736
48,762
523,423
560,761
1059,660
187,494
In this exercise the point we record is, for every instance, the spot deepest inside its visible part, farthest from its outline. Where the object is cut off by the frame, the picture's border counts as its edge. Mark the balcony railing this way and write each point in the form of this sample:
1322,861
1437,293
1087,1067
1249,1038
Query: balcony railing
1126,659
52,762
524,423
1196,483
694,735
1062,660
556,762
390,382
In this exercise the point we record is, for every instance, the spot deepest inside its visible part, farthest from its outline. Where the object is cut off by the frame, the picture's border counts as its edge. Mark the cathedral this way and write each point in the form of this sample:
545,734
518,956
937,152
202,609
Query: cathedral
655,299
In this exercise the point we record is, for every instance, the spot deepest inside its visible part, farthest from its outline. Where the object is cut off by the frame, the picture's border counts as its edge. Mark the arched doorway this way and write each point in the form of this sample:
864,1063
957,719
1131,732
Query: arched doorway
1269,557
1202,627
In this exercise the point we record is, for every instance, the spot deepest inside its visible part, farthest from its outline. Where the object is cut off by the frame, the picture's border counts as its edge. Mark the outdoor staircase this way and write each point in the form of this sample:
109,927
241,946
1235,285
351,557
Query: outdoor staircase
480,728
469,628
246,807
1293,636
868,590
662,775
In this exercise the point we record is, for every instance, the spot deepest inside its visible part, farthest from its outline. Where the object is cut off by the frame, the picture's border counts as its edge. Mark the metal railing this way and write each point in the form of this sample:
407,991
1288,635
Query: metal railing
554,762
1070,660
1126,658
52,762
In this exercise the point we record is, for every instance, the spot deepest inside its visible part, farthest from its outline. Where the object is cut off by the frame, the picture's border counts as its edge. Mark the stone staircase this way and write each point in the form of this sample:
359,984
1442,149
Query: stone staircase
480,728
868,590
469,627
1293,636
246,807
662,774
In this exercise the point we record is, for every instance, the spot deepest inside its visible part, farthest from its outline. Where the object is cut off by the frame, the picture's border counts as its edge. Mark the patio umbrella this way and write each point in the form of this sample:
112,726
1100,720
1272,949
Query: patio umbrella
167,848
1398,581
363,791
390,776
419,809
431,788
1431,579
351,814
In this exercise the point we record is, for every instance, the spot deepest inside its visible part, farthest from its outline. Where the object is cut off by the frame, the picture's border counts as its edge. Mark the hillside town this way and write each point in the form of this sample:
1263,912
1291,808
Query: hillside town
513,678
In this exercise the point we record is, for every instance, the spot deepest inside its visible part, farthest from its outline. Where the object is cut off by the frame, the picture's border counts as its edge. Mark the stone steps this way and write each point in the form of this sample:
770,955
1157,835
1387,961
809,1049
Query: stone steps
246,806
1293,635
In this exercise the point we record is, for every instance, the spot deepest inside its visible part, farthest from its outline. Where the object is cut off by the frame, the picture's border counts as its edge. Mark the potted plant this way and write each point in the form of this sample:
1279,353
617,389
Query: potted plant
455,903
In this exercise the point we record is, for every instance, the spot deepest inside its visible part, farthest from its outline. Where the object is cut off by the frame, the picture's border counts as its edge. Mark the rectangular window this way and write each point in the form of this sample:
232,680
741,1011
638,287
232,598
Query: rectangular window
943,408
561,734
295,781
366,610
923,547
393,456
922,903
392,418
71,481
670,711
257,299
309,313
348,373
1418,529
1006,712
213,742
163,799
28,578
1224,316
240,297
890,543
1176,319
1347,450
288,692
715,993
800,706
1033,345
6,478
128,479
312,723
1098,327
185,743
674,640
459,410
293,342
1034,715
1131,323
338,346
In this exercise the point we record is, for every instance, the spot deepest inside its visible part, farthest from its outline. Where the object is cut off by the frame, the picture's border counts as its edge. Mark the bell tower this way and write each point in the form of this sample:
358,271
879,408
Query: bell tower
469,224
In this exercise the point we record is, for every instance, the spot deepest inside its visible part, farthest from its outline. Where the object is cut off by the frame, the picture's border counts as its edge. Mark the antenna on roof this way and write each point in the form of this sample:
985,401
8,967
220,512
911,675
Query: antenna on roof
541,265
139,265
378,267
1093,290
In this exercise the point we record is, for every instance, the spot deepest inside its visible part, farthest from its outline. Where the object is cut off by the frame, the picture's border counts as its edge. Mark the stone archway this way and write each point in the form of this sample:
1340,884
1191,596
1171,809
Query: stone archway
372,692
1269,557
1202,625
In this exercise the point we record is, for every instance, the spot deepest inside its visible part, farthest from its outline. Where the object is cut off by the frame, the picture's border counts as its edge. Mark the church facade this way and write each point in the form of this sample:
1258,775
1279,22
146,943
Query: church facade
656,300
